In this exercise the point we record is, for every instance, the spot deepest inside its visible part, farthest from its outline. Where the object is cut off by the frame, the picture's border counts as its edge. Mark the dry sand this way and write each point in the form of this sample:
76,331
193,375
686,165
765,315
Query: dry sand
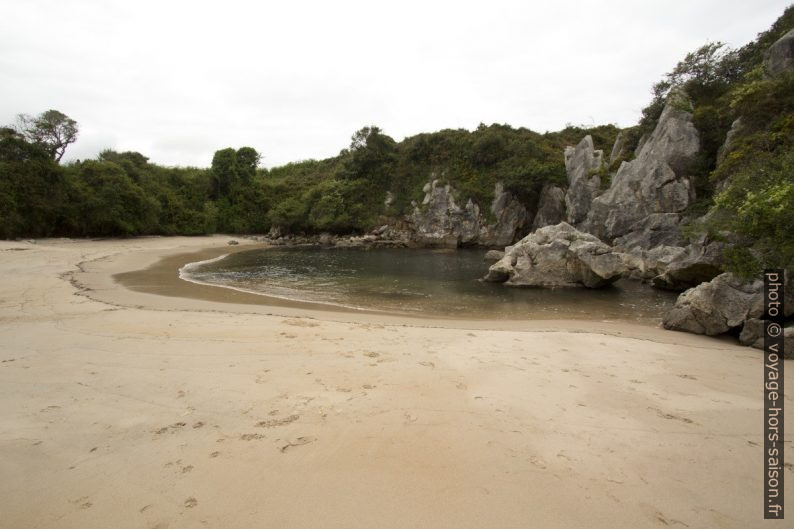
130,408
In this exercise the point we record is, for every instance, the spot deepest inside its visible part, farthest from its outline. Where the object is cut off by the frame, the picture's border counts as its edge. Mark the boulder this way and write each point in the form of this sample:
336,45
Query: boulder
493,255
558,256
582,163
779,58
655,182
753,335
551,207
727,145
716,307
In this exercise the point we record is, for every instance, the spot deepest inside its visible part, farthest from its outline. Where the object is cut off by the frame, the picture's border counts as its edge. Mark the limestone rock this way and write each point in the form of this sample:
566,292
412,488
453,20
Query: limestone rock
511,218
716,307
701,261
655,182
440,222
779,58
551,207
753,335
618,148
493,255
581,163
558,256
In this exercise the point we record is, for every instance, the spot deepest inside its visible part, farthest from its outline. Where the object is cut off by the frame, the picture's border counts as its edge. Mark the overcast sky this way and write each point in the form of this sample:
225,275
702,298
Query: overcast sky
177,80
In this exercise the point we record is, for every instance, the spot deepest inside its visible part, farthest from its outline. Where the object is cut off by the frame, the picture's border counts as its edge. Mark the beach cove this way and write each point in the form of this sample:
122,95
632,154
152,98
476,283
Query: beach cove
131,398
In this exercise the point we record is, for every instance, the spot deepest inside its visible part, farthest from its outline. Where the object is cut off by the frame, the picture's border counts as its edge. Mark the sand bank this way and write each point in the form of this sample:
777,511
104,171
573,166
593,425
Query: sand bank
168,404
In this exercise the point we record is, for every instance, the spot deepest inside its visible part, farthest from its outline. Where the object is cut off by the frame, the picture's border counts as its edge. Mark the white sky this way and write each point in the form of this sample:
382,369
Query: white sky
176,80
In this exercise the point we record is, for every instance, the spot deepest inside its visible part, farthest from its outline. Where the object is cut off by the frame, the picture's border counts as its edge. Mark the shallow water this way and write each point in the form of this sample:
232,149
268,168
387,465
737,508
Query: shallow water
440,283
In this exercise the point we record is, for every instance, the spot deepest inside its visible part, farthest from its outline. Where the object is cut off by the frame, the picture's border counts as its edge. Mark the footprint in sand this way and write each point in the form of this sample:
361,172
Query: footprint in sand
428,364
272,423
670,416
300,441
191,502
251,436
300,323
215,454
537,462
174,427
82,503
372,354
198,424
688,377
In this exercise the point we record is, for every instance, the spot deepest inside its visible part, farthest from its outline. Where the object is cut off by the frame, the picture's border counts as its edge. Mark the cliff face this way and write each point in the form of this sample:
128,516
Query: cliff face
653,189
439,221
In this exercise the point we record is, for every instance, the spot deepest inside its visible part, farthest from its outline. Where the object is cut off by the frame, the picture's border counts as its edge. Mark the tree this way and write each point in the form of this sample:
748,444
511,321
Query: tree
52,130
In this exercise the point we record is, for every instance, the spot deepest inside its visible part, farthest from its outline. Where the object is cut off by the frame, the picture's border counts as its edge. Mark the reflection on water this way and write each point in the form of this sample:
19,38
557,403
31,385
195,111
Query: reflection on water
442,283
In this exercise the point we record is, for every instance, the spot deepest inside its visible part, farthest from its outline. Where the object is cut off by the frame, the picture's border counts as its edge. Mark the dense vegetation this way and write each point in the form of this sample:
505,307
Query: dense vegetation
747,190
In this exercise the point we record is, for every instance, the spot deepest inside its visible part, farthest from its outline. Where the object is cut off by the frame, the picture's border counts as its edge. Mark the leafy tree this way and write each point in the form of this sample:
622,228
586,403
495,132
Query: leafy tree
52,130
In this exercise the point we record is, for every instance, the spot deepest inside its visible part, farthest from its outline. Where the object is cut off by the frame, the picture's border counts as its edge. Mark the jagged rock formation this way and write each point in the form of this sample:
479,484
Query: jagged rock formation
779,57
558,256
655,182
716,307
551,207
582,163
728,303
618,148
439,221
698,262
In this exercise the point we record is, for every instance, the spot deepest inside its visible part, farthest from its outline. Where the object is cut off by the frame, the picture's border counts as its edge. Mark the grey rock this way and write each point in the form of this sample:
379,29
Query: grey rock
618,148
232,242
779,58
511,219
551,207
657,229
440,222
701,261
493,255
727,145
558,256
655,182
581,164
753,335
716,307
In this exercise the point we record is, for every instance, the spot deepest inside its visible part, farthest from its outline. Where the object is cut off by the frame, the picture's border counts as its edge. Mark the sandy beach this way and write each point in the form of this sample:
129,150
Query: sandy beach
133,399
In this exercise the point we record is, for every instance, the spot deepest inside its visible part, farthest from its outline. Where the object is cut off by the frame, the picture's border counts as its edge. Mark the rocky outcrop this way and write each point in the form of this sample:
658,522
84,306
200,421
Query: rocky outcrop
726,147
656,182
618,148
657,229
753,335
726,303
582,164
716,307
779,58
558,256
511,219
699,262
440,222
551,207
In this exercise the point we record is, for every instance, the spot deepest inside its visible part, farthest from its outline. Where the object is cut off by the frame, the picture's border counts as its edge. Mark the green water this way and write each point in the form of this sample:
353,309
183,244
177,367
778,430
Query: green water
439,283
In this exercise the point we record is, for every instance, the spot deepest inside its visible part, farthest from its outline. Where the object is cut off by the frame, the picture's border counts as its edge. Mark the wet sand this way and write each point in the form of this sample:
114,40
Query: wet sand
169,404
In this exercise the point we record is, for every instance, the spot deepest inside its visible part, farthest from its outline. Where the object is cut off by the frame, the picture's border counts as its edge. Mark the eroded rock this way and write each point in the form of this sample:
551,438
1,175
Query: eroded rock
558,256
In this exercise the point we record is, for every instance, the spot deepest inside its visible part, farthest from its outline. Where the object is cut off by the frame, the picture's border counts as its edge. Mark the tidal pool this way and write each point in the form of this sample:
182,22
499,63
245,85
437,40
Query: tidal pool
438,283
